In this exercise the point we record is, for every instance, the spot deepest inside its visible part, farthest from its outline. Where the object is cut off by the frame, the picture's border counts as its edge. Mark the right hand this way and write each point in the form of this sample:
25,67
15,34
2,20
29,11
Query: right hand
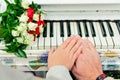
88,65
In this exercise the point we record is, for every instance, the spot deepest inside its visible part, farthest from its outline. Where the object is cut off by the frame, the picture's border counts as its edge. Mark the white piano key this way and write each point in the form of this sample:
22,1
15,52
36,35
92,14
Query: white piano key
41,42
97,38
108,37
90,35
116,37
75,28
65,31
34,46
82,29
47,39
28,47
72,27
59,38
53,39
103,39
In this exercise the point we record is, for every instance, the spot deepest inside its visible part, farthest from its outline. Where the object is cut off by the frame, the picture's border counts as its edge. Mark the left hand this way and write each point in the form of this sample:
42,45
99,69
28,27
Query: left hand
66,54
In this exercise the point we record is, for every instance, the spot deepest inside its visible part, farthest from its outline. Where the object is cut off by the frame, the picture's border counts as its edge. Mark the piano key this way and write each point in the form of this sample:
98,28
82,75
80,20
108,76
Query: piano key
92,29
35,44
45,32
47,38
51,29
72,28
118,26
82,29
116,36
53,43
85,29
41,42
97,41
59,38
61,29
110,29
28,47
108,37
101,38
90,34
75,28
79,28
102,29
65,31
68,28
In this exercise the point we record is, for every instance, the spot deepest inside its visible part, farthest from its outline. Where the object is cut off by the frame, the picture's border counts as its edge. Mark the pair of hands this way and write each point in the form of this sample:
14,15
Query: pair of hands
79,56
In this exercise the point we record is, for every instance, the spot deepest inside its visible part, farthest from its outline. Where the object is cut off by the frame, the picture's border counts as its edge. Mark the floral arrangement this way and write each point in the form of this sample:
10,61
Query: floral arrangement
21,24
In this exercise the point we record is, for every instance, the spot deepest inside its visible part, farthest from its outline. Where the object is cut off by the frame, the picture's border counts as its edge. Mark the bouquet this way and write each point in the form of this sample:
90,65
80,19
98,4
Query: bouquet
21,24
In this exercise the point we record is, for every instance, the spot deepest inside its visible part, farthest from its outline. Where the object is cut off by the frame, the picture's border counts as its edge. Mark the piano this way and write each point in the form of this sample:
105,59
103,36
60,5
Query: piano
95,20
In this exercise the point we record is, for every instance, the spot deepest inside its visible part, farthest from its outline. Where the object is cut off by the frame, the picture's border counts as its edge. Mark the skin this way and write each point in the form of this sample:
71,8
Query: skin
88,65
79,56
66,54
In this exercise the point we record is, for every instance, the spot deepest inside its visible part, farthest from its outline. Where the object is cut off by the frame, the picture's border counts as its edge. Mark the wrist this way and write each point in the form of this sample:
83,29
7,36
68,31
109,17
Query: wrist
101,77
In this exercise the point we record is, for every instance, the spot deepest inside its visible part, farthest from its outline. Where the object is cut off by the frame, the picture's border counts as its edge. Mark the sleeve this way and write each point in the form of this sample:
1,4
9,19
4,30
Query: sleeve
7,73
58,73
109,78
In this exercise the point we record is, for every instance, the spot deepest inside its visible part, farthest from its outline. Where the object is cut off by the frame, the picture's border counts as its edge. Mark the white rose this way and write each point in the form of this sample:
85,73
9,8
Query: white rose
32,26
36,17
20,40
23,18
41,28
15,33
25,4
24,33
22,27
29,39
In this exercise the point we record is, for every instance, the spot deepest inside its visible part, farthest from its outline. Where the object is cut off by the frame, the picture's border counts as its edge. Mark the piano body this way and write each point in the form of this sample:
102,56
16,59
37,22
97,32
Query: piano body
96,20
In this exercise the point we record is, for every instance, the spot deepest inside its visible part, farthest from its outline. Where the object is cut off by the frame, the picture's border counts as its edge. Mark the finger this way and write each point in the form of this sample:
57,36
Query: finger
74,71
75,48
67,41
85,44
91,45
77,53
71,44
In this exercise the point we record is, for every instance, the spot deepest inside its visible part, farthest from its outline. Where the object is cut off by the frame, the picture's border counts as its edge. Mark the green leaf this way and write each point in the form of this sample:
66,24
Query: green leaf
18,2
17,54
22,53
35,6
7,1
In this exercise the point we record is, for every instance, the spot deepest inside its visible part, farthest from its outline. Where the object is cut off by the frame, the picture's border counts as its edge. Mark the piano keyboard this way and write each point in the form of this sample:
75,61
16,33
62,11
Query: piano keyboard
104,34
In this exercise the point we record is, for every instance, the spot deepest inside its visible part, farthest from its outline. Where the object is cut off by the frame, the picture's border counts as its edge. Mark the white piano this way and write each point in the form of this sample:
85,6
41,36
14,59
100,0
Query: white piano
96,20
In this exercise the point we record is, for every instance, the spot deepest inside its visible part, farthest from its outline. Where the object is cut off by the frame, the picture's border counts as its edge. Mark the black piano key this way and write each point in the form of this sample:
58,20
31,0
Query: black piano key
102,29
68,28
51,29
61,29
92,29
85,29
118,26
79,28
110,29
45,31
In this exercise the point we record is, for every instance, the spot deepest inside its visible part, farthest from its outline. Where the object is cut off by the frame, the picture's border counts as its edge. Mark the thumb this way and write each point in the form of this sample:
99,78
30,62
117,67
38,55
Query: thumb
75,73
